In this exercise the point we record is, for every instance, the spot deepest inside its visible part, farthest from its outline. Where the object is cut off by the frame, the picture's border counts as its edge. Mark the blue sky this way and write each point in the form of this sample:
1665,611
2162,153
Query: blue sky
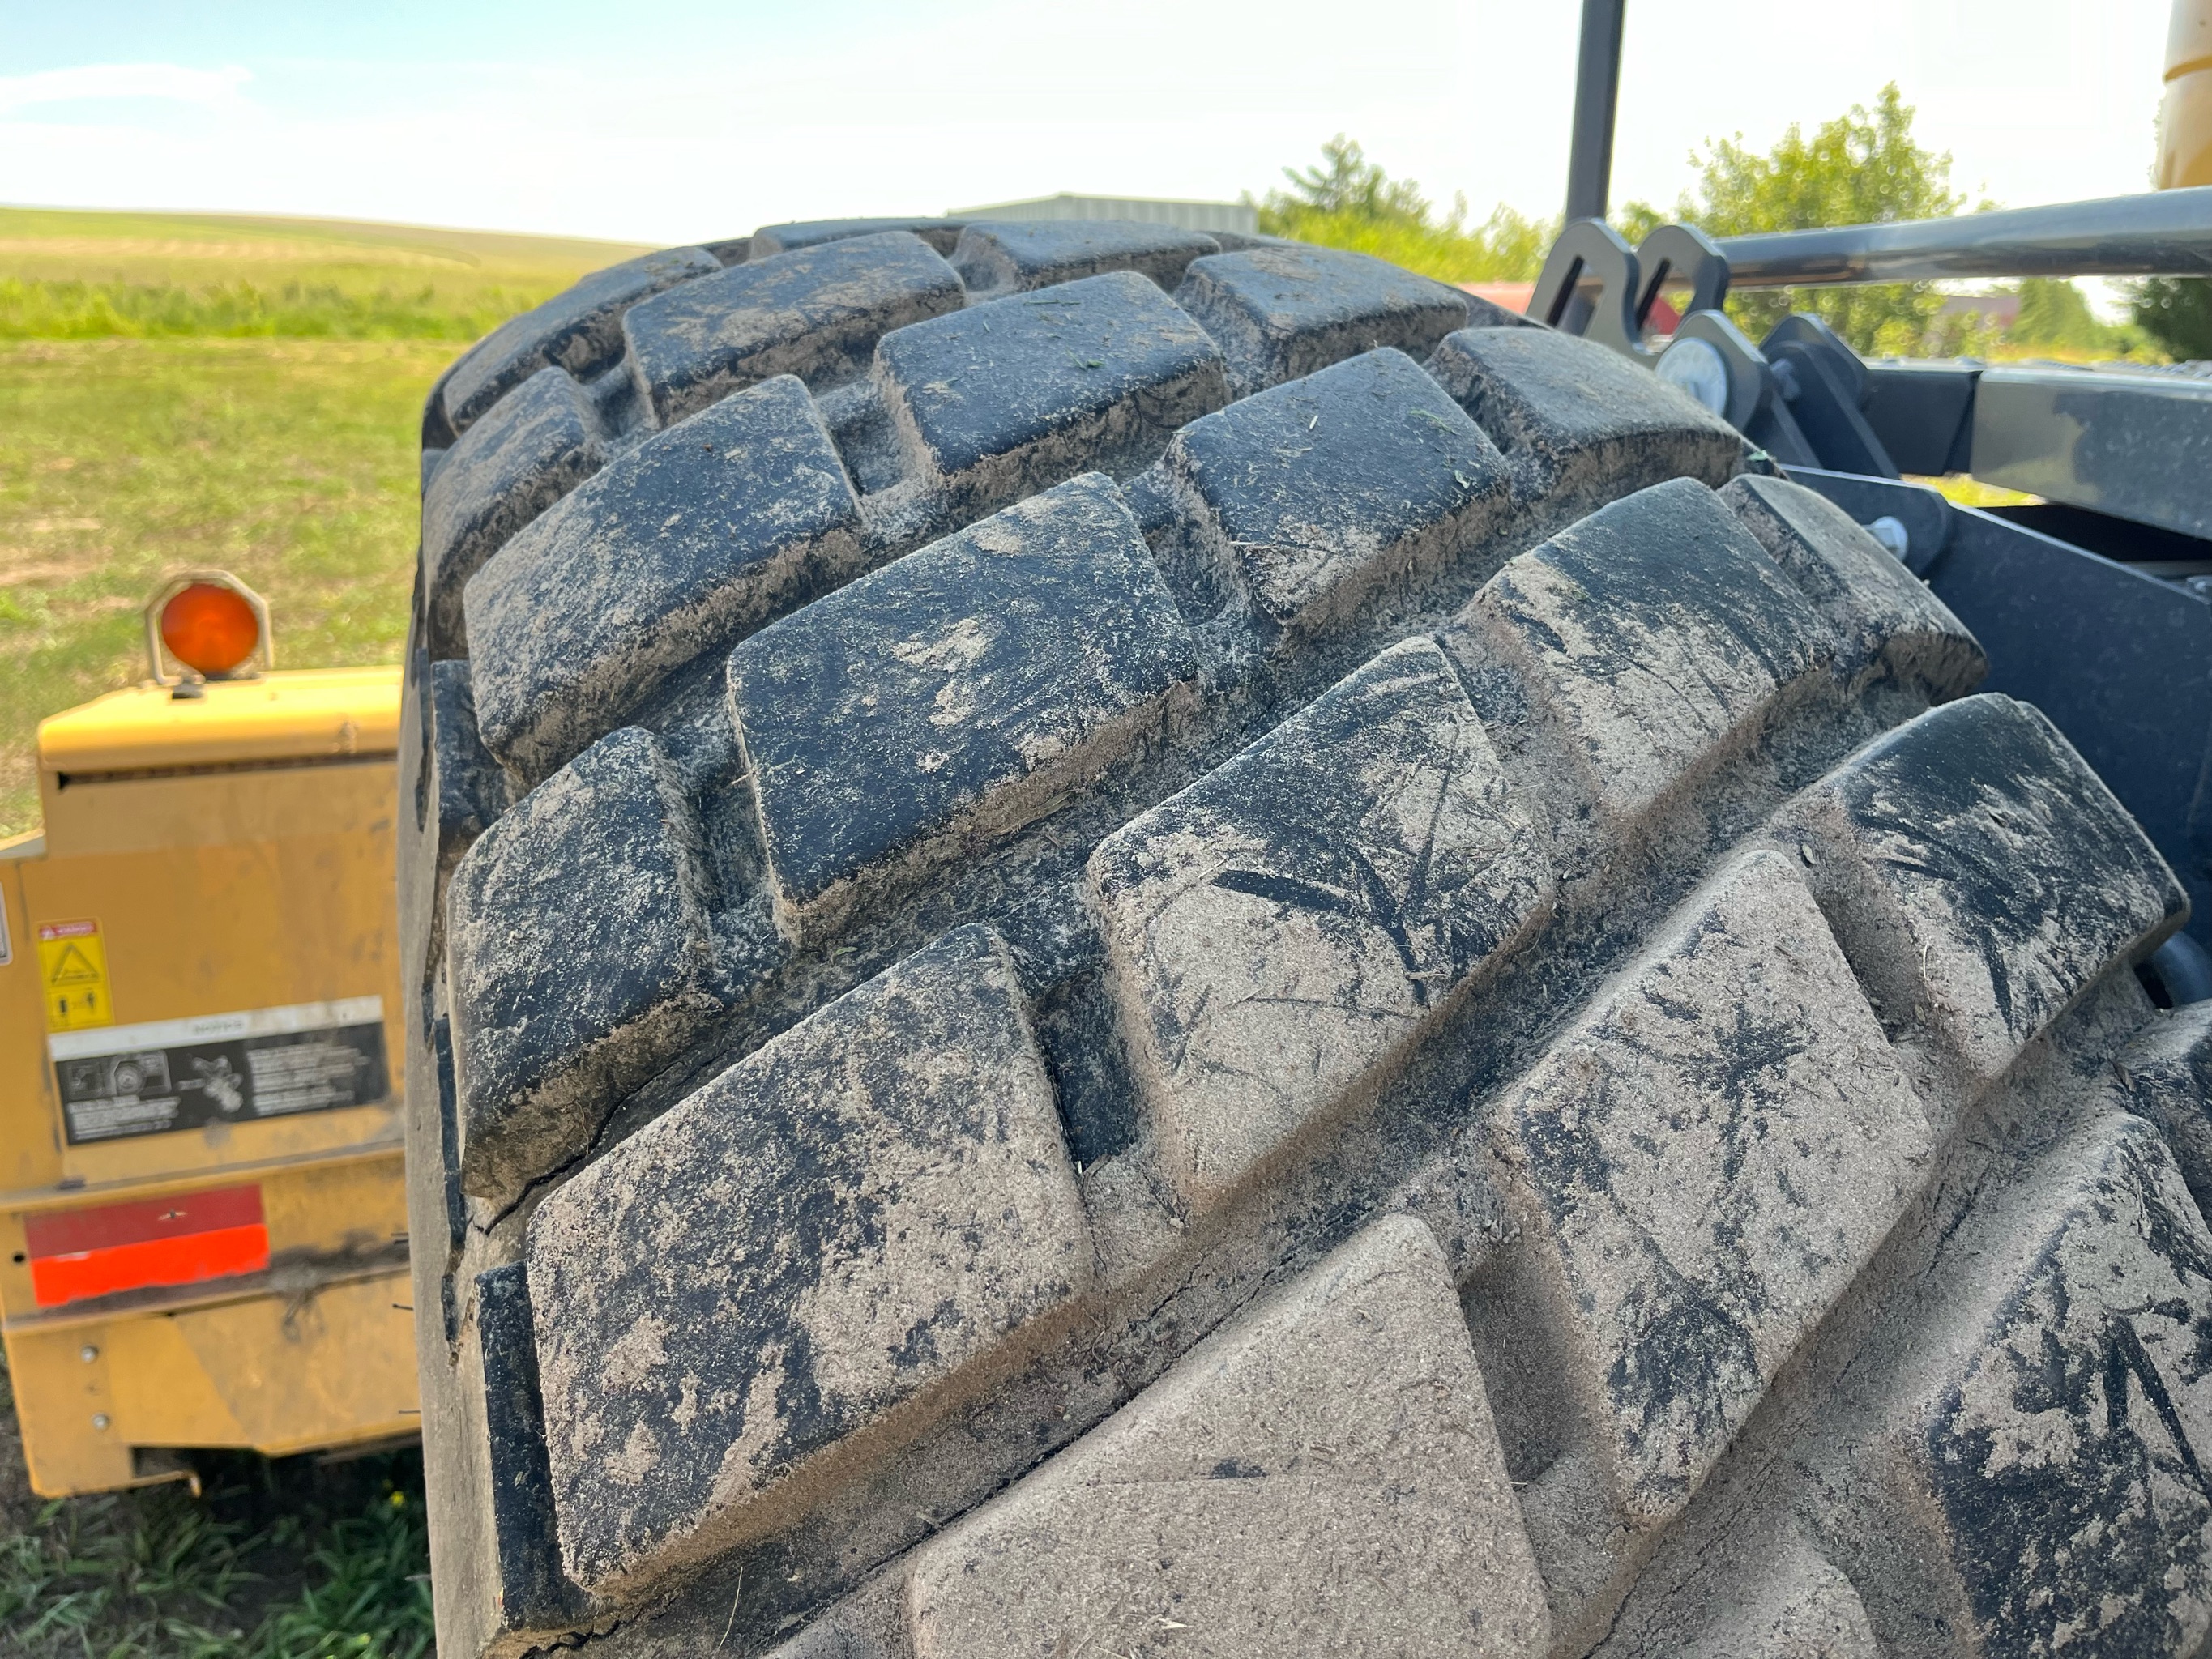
688,120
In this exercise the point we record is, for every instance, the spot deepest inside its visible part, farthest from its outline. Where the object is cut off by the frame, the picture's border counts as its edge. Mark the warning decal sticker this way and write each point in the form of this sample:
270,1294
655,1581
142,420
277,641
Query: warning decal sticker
184,1074
73,968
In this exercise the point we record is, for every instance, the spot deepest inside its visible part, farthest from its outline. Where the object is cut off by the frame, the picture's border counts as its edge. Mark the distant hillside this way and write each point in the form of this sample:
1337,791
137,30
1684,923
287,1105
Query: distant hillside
76,274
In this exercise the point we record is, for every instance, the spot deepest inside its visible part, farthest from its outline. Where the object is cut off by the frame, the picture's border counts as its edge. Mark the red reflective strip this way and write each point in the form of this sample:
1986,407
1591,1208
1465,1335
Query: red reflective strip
73,1232
187,1261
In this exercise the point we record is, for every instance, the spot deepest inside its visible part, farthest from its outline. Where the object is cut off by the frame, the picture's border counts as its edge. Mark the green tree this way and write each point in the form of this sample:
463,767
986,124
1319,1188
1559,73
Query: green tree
2176,312
2055,313
1348,183
1350,201
1863,167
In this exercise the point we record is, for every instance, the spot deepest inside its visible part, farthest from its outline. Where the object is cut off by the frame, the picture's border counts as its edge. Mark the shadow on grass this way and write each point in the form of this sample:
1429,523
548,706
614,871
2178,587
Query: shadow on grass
276,1560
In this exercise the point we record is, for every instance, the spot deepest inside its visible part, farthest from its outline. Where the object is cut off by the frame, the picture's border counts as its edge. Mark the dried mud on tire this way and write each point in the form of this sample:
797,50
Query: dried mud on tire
1131,941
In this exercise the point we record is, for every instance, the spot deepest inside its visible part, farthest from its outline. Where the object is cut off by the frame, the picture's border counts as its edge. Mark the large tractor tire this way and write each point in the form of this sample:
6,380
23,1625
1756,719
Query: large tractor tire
1139,943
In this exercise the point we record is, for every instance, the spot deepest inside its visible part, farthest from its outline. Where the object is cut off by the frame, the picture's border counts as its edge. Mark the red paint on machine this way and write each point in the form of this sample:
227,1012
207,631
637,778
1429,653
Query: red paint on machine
183,1239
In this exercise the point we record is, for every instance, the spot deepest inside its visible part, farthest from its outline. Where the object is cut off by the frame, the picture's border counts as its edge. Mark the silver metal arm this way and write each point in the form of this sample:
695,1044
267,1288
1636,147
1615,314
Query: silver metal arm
2164,232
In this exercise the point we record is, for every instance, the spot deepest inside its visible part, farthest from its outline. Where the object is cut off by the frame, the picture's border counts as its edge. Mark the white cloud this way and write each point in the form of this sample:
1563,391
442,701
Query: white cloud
170,82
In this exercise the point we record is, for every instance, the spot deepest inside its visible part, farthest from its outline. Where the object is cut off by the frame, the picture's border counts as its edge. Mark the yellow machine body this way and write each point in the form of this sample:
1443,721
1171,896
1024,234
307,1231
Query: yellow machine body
2184,115
202,1220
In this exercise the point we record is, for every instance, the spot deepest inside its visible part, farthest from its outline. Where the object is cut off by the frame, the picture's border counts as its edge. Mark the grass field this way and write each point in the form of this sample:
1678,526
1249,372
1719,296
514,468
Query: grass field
177,391
71,275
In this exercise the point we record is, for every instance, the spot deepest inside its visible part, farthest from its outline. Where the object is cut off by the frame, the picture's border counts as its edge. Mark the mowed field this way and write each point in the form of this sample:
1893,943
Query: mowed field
181,391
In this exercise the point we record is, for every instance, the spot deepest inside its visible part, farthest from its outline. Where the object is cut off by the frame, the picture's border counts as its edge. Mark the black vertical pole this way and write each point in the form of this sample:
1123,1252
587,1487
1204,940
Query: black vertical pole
1597,88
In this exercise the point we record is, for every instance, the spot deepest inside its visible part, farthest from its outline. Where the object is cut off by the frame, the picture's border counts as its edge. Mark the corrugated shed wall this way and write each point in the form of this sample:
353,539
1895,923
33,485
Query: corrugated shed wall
1241,216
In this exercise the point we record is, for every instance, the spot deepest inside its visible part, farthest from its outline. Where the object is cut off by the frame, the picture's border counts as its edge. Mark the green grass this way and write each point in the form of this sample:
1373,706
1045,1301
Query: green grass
284,1560
179,390
290,463
74,276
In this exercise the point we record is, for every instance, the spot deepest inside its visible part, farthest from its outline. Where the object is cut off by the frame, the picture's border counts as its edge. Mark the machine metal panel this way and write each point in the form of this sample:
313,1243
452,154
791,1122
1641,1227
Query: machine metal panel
200,1129
236,927
274,1373
320,714
2136,446
1922,412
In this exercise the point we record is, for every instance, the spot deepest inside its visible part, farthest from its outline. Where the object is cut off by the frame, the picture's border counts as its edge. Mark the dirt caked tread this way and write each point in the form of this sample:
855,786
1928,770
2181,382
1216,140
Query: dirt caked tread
1139,940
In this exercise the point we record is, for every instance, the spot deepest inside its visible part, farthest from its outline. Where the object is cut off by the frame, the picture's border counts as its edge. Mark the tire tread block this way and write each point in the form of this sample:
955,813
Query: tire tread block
2057,1457
532,1592
1703,1164
816,313
1983,874
861,1212
2167,1074
1880,612
580,957
580,331
1650,640
949,696
1322,1476
1581,423
1282,313
770,240
471,792
1312,493
1015,394
1793,1604
1007,256
1280,931
534,447
676,550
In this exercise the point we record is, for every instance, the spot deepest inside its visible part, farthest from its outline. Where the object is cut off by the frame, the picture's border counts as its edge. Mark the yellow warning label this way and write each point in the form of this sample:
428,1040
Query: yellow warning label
73,966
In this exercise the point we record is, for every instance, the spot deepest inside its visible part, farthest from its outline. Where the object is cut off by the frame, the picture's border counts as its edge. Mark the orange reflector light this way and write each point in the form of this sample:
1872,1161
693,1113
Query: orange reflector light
209,629
182,1240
